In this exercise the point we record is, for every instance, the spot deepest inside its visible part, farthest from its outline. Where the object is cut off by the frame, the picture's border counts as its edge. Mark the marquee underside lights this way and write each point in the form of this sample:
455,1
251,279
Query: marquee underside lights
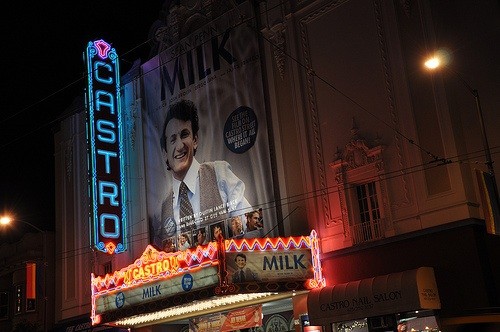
205,306
105,145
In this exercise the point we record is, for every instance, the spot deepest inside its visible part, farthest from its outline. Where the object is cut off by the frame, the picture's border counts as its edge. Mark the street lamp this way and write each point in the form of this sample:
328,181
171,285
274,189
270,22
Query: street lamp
441,59
6,220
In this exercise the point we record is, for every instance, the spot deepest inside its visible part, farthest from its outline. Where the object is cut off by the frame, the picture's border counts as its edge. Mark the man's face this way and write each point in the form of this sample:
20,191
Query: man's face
180,144
201,237
217,232
236,225
240,262
253,220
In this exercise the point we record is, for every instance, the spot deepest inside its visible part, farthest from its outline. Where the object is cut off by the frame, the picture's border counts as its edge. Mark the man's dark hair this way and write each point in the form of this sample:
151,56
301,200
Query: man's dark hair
242,256
251,213
184,110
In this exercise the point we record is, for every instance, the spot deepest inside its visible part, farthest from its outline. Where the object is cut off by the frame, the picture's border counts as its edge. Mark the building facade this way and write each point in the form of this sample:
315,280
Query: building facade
27,283
355,140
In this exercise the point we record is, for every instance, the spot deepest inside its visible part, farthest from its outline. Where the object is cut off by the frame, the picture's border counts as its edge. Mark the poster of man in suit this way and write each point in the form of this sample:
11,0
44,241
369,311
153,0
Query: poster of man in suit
205,130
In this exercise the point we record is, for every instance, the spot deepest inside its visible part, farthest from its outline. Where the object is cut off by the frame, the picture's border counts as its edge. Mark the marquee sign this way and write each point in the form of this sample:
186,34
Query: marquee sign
159,280
269,260
156,276
105,145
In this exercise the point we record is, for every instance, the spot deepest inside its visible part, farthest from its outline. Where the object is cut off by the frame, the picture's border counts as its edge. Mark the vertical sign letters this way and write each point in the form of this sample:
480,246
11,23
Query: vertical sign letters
105,146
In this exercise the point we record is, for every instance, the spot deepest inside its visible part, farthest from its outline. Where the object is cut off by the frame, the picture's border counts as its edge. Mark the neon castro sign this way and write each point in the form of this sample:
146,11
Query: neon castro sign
105,148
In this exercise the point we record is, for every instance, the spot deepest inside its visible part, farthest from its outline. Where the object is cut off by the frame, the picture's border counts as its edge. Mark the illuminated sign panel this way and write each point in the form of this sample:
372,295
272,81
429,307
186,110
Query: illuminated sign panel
156,275
104,136
159,279
268,260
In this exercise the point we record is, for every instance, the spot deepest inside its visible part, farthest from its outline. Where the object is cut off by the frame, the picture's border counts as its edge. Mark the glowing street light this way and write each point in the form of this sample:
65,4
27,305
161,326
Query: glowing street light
441,59
5,220
432,63
438,61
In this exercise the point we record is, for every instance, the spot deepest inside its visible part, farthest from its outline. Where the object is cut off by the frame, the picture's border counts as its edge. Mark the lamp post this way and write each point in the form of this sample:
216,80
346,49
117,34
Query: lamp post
437,61
5,220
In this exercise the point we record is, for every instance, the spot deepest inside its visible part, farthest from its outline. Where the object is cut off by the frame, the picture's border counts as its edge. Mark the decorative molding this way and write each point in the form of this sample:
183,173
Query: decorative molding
357,155
277,37
68,157
178,19
311,94
131,123
402,200
406,5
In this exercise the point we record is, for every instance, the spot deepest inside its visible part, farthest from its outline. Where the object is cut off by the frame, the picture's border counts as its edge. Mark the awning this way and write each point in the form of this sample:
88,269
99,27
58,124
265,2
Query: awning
388,294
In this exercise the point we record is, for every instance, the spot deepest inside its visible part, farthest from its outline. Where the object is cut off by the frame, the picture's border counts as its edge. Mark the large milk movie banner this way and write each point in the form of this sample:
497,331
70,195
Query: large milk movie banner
206,144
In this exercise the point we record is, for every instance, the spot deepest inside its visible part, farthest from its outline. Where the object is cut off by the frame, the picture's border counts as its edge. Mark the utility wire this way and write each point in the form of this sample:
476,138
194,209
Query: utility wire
294,199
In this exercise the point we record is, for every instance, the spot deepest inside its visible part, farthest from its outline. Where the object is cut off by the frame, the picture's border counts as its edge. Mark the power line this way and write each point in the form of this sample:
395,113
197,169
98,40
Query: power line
139,237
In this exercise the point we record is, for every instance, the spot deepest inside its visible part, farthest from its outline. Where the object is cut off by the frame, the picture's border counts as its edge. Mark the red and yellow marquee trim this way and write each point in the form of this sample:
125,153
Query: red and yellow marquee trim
154,266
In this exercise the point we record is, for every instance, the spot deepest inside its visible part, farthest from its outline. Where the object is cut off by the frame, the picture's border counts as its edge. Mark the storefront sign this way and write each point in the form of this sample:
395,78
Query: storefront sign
381,295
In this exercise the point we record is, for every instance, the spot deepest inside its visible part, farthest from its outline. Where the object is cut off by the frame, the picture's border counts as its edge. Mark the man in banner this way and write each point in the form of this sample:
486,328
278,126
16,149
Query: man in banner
201,194
243,273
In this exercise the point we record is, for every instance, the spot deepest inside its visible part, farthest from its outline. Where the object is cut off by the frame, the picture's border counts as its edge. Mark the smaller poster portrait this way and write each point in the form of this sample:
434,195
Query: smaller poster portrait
241,271
254,224
201,236
217,230
169,244
235,226
248,225
185,241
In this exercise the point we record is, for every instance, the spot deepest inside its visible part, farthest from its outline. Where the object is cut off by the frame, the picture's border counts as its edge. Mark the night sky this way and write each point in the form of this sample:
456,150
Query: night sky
42,73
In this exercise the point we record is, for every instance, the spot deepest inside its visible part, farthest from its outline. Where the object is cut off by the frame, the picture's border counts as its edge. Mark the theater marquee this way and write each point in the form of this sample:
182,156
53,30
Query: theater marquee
159,280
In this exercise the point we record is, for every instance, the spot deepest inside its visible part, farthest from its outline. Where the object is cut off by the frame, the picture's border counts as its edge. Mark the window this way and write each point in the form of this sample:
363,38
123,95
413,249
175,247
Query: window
368,224
368,202
362,195
30,305
19,299
4,305
108,268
